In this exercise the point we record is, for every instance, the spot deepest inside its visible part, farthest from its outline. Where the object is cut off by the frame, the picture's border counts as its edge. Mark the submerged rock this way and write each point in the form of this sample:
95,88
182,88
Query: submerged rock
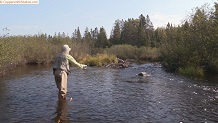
144,74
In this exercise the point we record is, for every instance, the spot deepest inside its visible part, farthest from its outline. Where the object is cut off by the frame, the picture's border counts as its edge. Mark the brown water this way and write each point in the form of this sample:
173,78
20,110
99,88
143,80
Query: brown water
105,95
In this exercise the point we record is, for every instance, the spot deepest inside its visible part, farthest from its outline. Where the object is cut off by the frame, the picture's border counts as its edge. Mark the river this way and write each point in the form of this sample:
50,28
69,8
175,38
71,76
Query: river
106,95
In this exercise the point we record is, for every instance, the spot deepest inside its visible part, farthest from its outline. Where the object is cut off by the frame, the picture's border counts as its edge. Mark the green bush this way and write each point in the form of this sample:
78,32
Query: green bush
99,60
192,71
192,48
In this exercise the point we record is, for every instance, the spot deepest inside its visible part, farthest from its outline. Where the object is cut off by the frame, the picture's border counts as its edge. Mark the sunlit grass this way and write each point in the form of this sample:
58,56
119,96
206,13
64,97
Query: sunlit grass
99,60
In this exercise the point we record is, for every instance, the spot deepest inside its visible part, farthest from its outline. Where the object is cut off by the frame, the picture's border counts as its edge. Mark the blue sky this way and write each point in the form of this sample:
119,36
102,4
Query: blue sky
50,16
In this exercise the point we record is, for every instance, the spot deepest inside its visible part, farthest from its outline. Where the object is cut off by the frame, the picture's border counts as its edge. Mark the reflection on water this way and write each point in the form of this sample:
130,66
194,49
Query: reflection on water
101,95
62,111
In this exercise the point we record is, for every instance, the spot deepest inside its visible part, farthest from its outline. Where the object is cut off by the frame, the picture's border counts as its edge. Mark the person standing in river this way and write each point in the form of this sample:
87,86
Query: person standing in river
61,70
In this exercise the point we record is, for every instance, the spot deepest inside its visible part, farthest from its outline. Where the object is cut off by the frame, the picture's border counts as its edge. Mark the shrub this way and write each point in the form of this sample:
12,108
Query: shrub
192,71
99,60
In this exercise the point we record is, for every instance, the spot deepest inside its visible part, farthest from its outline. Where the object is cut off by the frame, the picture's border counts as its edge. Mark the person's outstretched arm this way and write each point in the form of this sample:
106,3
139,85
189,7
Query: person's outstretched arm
71,59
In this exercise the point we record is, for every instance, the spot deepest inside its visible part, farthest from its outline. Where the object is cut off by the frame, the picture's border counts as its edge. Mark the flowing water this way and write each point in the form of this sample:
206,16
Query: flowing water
106,95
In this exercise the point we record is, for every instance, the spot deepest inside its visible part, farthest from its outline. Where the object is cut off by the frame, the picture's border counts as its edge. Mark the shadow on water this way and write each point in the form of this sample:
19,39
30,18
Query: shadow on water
99,95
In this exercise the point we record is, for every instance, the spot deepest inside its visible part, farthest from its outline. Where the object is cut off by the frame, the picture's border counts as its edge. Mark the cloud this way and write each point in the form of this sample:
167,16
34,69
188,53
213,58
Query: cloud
160,20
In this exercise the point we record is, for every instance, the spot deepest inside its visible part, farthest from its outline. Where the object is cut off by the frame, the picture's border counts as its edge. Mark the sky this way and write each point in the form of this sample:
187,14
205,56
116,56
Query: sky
50,16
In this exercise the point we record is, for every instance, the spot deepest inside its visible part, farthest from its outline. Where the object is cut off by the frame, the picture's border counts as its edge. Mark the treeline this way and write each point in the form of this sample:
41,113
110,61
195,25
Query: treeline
136,32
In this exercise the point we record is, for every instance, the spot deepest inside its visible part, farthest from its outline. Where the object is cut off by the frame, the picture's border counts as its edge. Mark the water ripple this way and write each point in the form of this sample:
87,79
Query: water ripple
108,95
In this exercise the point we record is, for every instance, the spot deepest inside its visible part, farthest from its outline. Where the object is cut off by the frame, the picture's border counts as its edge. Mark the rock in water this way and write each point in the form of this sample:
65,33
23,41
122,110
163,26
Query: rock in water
144,74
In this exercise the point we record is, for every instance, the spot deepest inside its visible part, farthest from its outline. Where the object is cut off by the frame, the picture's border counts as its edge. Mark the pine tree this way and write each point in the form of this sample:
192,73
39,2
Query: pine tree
78,35
87,36
129,32
141,31
102,41
94,34
116,33
149,32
